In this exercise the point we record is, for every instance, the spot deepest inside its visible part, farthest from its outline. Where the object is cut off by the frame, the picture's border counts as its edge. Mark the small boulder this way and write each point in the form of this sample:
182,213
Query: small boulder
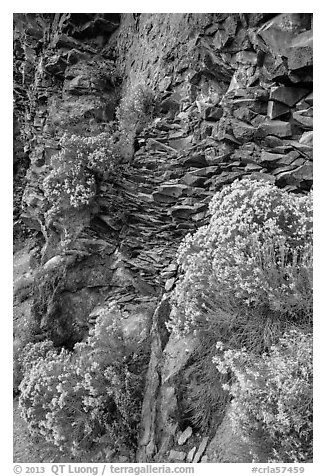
182,211
196,160
213,113
190,455
242,130
275,128
246,57
185,435
161,198
272,141
169,284
276,109
309,99
193,180
182,143
250,167
214,159
305,172
300,57
268,157
306,122
173,190
307,138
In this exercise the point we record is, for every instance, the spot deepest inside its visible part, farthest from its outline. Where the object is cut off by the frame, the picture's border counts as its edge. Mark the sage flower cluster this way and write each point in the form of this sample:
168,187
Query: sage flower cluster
72,181
73,398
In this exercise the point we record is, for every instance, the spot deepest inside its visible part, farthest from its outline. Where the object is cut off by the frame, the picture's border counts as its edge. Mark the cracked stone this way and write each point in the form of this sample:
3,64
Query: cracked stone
193,180
305,122
242,130
275,128
305,172
300,57
182,211
161,198
213,113
288,95
169,284
198,160
172,190
276,109
269,157
307,138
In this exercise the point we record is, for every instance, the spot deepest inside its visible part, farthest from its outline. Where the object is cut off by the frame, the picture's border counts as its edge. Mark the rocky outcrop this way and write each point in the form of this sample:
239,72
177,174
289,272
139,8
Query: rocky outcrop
63,84
234,99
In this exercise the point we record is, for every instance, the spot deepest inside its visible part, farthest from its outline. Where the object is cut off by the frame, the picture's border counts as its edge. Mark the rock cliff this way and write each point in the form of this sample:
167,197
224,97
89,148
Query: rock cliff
234,98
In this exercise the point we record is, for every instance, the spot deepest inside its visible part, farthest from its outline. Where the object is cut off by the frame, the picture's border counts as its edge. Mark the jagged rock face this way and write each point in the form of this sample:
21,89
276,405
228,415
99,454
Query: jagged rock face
234,99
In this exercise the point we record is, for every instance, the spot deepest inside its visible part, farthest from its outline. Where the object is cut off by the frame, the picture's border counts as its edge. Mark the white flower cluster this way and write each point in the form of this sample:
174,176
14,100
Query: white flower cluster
255,252
71,183
72,398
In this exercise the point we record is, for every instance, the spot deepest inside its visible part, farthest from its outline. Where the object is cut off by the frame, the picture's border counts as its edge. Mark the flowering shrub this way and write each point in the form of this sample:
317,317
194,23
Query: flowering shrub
272,395
71,183
78,400
250,270
133,113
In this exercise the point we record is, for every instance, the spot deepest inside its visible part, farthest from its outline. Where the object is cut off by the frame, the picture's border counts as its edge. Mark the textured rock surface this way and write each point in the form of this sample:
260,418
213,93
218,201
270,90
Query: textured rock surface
234,95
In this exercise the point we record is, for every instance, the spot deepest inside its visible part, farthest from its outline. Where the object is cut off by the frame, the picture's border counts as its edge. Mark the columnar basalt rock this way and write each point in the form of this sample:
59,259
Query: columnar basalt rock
234,99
